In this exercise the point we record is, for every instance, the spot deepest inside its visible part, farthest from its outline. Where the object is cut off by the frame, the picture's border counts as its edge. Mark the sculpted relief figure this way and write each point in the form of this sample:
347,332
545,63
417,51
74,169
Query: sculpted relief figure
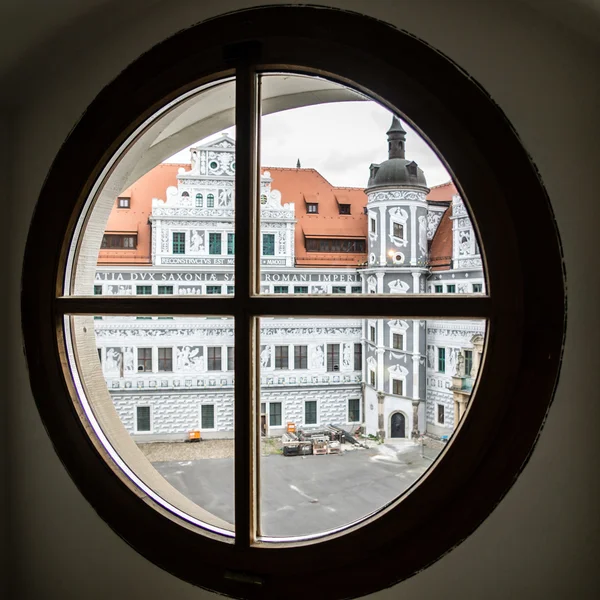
372,284
128,360
398,286
460,365
318,358
113,361
347,357
197,241
423,234
265,357
183,358
430,357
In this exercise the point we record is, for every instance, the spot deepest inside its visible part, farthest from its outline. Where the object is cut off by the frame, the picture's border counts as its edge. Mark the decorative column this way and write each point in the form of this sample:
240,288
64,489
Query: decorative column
415,430
380,416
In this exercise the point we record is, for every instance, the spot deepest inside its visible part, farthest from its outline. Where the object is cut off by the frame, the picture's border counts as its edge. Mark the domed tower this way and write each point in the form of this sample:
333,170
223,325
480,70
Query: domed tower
397,264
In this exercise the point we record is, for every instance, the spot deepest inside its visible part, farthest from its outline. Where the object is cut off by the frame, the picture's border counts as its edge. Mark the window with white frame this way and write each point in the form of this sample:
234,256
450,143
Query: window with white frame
143,419
207,416
353,410
310,412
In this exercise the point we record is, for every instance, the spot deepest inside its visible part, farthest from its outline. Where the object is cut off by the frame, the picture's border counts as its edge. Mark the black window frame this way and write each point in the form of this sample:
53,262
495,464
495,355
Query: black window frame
301,357
282,357
333,357
213,358
479,131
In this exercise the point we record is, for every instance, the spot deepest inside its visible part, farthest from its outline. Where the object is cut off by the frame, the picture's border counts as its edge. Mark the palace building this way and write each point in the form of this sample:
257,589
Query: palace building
172,232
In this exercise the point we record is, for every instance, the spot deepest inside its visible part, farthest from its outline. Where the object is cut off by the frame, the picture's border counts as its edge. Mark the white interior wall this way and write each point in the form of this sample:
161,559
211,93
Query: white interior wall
542,539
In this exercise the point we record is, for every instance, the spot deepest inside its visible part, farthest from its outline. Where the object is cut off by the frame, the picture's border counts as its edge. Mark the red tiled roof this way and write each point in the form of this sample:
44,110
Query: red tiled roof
308,185
442,192
153,184
440,250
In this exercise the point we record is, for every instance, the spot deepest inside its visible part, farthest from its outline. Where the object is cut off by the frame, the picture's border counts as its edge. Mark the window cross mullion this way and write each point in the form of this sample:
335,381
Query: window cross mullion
246,191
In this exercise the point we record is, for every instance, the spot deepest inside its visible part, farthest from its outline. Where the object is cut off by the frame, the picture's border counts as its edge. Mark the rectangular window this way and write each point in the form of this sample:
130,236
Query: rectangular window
440,414
213,289
214,243
165,359
439,289
312,208
357,289
145,360
310,412
335,245
230,358
281,357
275,419
373,226
231,289
477,288
442,360
451,289
300,357
372,379
333,357
268,244
397,387
468,362
357,357
97,290
213,362
117,242
142,419
338,289
300,289
280,289
231,243
165,290
398,341
143,290
353,410
344,209
123,202
178,242
372,334
398,231
207,416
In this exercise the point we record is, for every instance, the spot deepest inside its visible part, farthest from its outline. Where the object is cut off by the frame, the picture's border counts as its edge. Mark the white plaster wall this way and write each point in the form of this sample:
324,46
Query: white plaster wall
542,540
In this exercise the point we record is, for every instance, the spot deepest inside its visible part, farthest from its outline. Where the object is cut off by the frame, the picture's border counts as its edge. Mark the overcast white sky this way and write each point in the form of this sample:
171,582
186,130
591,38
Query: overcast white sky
340,140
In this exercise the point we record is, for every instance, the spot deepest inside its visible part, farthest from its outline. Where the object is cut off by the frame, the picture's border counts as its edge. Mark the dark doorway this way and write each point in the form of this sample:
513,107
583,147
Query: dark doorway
398,429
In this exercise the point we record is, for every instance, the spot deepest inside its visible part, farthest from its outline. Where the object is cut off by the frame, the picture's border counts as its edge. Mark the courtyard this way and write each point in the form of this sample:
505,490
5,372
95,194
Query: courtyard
300,495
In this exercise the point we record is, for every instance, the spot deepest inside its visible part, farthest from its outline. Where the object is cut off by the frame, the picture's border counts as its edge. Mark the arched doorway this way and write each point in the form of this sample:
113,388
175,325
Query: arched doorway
398,425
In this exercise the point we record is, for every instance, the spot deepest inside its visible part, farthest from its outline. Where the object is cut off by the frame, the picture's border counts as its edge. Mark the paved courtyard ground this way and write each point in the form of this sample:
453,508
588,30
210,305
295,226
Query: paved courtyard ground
301,495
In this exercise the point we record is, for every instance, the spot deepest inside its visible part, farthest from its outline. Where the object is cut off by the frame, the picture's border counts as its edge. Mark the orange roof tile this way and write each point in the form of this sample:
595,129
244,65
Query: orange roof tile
153,184
440,251
442,192
308,185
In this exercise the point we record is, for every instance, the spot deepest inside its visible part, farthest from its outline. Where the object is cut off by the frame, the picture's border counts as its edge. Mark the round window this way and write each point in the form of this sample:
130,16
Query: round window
306,422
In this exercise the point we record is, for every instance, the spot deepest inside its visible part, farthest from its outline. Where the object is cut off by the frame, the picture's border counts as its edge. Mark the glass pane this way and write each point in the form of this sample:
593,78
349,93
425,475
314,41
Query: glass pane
346,209
175,234
354,412
162,394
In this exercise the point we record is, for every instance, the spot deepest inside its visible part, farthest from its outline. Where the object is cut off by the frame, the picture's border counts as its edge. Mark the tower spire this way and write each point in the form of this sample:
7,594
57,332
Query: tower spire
396,139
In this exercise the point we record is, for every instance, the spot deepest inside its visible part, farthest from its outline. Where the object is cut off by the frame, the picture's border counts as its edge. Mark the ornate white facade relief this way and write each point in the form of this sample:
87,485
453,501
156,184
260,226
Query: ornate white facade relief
398,287
433,220
423,234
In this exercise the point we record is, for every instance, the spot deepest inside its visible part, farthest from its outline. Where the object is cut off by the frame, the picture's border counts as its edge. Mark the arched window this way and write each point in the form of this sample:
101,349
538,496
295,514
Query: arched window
210,201
199,201
523,307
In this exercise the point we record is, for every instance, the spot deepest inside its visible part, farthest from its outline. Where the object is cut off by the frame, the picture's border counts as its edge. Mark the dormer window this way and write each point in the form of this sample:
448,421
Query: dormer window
312,207
124,202
344,209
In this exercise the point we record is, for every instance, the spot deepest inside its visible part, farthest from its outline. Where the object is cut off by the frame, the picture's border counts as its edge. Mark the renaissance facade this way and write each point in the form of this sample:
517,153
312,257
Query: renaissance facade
173,233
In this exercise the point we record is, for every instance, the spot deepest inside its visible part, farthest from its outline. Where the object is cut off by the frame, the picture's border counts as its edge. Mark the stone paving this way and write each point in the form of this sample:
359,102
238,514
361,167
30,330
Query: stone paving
302,495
